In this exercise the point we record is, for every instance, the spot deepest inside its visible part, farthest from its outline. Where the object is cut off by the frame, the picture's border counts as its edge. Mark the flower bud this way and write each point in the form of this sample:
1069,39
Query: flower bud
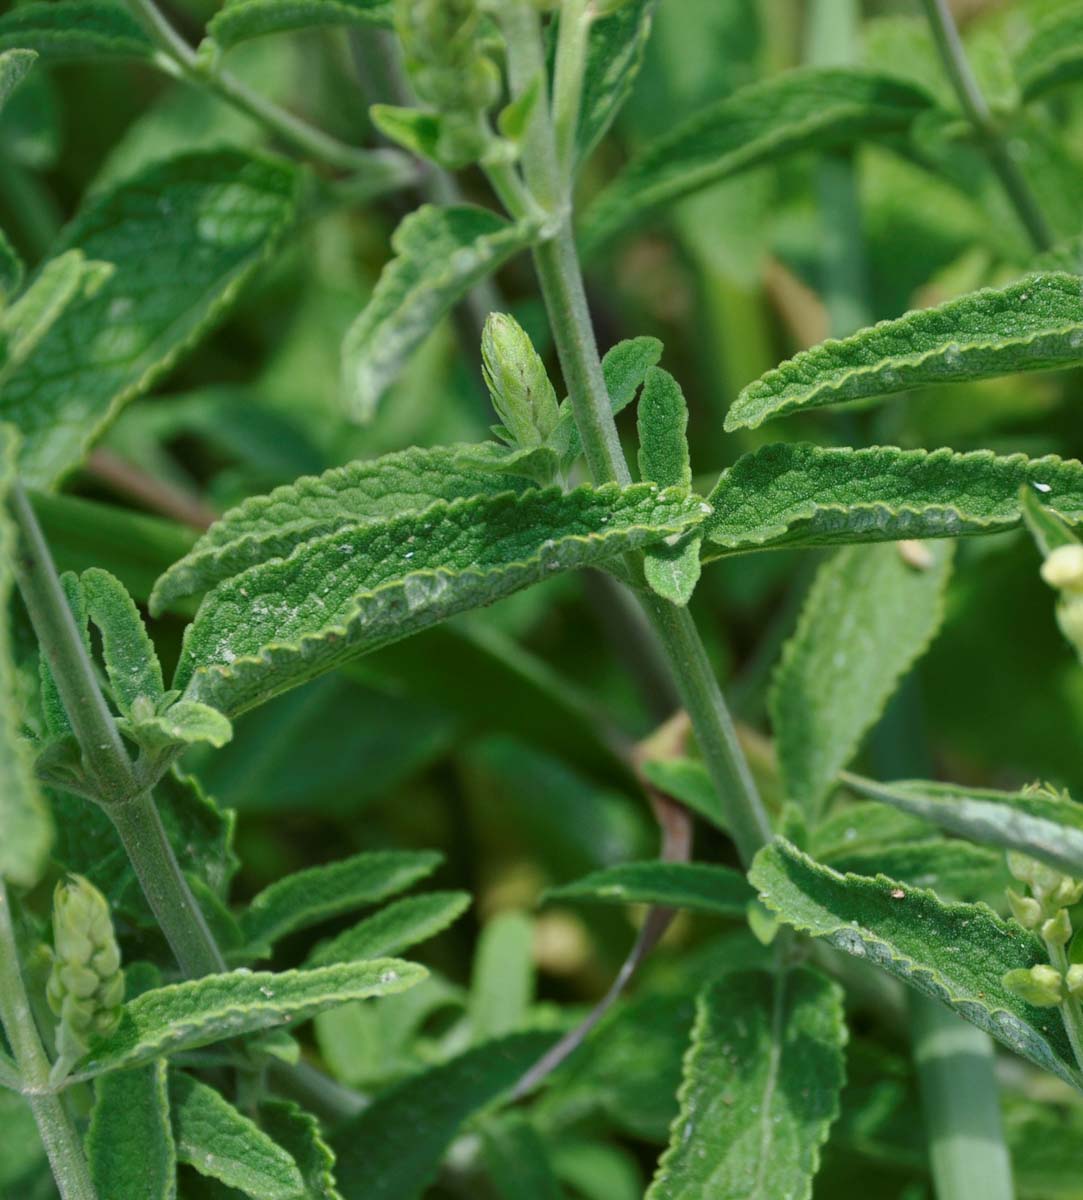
1063,569
517,381
1074,980
1042,985
1026,910
1057,931
1070,618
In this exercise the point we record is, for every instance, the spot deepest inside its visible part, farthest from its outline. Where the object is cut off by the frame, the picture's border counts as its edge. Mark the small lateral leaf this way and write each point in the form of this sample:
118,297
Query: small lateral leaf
688,782
393,929
184,1016
956,953
412,128
299,1133
183,723
518,1160
867,618
502,983
222,1143
67,30
392,1149
1045,524
698,887
313,895
953,868
14,67
1054,54
439,254
241,20
761,1088
812,109
796,494
131,661
130,1144
1035,324
615,48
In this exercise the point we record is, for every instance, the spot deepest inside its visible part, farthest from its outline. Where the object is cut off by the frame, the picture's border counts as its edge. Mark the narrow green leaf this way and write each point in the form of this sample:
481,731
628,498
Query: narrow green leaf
131,661
186,1015
278,624
440,253
1035,324
518,1161
956,953
1036,821
1054,54
688,782
760,1091
718,891
223,1144
310,896
615,52
1044,523
299,1133
130,1143
11,266
24,819
393,929
271,526
64,30
14,67
502,982
954,869
241,20
862,828
183,237
868,616
796,494
392,1149
812,109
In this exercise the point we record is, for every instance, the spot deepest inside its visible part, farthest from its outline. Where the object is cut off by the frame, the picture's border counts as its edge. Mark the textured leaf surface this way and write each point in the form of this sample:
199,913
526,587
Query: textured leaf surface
183,723
130,658
183,236
281,623
224,1144
614,55
956,953
271,526
185,1015
14,67
75,29
1036,822
313,895
795,494
392,1149
799,110
761,1088
954,869
1054,54
241,20
1033,325
24,819
868,616
299,1133
394,928
719,891
130,1144
440,253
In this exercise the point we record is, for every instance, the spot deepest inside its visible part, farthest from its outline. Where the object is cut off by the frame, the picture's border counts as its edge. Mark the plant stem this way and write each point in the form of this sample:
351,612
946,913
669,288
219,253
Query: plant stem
1070,1010
977,110
62,1144
961,1102
576,17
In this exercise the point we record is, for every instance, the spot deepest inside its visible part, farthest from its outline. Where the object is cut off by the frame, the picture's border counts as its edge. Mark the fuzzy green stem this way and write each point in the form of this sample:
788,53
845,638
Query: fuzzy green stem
59,1137
1070,1011
977,111
576,17
961,1103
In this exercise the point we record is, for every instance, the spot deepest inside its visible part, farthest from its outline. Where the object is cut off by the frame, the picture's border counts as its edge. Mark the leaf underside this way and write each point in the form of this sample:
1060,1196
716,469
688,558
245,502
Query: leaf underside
241,20
699,887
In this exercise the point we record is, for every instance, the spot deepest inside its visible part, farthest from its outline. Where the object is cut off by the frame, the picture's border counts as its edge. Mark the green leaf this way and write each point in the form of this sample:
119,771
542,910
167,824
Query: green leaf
14,67
797,494
271,526
615,50
718,891
1035,324
812,109
241,20
130,1143
131,661
952,868
223,1144
75,29
1036,821
183,237
1044,524
181,724
11,267
52,707
414,129
392,1149
393,929
518,1161
24,819
310,896
184,1016
278,624
868,616
299,1133
440,253
1054,54
956,953
688,782
502,983
760,1091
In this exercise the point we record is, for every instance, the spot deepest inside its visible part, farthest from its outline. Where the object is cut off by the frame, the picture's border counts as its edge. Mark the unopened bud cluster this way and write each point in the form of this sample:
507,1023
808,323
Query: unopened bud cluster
518,382
86,985
1045,910
1063,570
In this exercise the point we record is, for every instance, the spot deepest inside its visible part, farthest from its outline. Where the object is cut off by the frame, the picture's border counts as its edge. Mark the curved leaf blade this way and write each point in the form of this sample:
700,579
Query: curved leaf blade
1035,324
241,20
14,67
129,1144
393,929
1053,56
615,49
698,887
70,30
299,1133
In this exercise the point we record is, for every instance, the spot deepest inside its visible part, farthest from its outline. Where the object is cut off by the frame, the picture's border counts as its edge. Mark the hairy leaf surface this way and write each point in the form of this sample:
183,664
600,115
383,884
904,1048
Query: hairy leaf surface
1035,324
760,1091
440,253
1054,54
281,623
811,109
183,236
614,55
394,928
240,20
956,953
796,494
131,661
14,67
130,1145
868,616
299,1133
718,891
75,29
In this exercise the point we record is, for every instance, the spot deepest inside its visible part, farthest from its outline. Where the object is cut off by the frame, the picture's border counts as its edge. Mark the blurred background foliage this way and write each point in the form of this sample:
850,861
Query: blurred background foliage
500,739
